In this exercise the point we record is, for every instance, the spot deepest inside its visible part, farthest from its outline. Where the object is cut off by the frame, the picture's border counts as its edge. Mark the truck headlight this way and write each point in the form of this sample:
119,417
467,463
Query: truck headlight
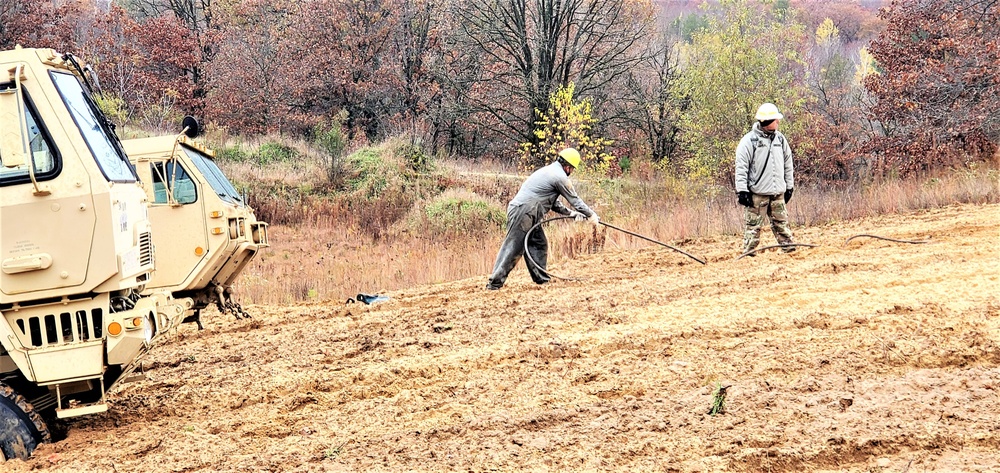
147,329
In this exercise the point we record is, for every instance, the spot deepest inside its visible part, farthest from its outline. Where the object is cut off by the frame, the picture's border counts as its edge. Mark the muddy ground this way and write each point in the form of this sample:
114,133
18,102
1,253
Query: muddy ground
858,357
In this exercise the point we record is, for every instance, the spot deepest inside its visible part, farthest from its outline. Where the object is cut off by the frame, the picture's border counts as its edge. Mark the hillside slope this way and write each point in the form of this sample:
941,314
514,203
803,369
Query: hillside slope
869,356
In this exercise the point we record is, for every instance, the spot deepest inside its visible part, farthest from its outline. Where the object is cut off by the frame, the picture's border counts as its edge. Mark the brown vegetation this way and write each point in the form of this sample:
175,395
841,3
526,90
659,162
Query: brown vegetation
323,249
470,79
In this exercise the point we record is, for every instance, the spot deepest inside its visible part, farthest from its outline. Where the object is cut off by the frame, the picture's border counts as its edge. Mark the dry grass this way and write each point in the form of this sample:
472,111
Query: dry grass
328,256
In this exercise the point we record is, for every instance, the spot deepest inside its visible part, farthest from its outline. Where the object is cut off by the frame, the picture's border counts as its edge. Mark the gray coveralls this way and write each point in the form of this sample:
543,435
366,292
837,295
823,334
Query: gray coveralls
764,168
538,194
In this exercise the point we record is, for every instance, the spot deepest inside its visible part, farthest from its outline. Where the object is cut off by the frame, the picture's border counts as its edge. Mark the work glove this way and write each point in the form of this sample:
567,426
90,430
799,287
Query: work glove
594,219
745,198
788,194
578,216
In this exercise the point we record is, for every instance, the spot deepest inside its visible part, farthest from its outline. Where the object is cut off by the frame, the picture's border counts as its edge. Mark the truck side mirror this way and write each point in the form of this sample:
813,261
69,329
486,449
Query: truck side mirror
191,127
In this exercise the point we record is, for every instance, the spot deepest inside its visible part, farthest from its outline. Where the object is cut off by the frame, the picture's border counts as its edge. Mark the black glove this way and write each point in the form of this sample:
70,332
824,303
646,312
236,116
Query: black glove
745,198
788,194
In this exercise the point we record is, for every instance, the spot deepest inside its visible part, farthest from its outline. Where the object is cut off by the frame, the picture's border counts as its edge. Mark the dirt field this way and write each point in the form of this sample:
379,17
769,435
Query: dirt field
869,356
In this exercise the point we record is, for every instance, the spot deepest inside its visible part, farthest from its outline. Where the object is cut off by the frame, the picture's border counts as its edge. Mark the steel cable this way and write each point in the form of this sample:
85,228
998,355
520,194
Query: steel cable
527,254
913,242
787,245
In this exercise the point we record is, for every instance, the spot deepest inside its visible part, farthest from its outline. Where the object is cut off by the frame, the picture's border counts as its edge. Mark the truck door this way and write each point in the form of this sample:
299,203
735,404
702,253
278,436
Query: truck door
47,215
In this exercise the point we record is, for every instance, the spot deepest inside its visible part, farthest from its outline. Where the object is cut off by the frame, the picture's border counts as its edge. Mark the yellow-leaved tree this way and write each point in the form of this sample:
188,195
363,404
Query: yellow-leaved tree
566,123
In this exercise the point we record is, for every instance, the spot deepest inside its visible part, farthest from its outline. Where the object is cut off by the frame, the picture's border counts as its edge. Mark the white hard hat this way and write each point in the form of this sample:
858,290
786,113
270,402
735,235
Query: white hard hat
768,111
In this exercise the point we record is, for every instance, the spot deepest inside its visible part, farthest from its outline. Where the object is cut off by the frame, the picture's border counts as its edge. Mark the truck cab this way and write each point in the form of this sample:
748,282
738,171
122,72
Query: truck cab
203,230
76,249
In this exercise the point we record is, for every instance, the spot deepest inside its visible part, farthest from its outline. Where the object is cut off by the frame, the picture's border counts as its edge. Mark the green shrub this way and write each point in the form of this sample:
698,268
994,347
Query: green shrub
457,213
113,106
233,154
368,173
330,141
415,157
380,187
273,152
625,163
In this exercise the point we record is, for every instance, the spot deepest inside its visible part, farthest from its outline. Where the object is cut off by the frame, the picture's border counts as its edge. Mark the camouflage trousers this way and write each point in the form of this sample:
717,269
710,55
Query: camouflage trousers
774,207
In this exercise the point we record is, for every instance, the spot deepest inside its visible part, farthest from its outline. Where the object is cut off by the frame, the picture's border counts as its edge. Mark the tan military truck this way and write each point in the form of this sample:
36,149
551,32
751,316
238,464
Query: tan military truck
76,249
203,230
95,263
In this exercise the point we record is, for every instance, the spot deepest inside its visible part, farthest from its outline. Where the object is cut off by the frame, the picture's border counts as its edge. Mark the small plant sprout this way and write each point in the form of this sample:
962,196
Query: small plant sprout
334,451
719,400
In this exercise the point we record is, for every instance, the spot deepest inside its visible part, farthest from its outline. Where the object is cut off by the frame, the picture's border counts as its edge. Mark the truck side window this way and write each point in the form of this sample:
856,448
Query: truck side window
40,153
170,175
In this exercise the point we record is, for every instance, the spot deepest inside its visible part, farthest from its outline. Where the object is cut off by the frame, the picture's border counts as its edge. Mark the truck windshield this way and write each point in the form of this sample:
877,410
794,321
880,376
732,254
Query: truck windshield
215,177
103,145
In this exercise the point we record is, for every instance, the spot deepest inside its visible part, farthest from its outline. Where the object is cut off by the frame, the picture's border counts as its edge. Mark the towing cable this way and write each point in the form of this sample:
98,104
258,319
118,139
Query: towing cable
865,235
913,242
527,254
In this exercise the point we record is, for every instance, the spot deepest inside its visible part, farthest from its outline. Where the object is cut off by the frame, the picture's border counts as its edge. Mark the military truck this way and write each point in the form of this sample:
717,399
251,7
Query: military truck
93,271
203,230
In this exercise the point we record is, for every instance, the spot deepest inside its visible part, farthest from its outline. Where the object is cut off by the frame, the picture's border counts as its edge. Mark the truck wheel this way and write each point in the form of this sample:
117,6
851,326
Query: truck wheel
21,428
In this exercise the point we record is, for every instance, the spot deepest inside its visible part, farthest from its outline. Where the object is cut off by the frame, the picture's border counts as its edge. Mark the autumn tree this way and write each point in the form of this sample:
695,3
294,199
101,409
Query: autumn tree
42,23
834,109
648,106
144,77
417,40
744,58
566,122
248,79
936,83
855,23
346,59
456,75
531,48
20,21
198,16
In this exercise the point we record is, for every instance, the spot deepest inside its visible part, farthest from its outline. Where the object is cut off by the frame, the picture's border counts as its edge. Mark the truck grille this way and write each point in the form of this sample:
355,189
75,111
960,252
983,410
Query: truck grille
61,328
145,249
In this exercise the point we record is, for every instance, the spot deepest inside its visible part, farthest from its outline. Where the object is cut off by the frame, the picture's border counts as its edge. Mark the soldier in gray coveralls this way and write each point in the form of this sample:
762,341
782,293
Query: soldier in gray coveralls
538,194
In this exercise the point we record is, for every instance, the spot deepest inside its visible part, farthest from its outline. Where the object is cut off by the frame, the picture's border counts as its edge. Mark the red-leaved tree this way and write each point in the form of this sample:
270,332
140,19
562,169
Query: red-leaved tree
41,24
144,65
937,84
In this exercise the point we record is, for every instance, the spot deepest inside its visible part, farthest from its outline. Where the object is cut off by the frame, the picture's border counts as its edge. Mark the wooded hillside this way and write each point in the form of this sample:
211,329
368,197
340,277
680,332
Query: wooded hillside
867,87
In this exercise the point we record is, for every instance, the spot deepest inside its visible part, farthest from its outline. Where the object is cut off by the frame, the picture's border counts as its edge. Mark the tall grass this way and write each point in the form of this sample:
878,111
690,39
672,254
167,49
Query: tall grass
326,252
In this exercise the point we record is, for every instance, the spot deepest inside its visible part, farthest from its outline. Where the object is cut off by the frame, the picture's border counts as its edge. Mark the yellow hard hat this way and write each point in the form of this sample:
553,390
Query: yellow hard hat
768,111
571,156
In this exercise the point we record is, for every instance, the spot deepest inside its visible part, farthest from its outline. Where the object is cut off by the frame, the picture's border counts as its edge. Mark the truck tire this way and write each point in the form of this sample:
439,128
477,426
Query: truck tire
21,428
